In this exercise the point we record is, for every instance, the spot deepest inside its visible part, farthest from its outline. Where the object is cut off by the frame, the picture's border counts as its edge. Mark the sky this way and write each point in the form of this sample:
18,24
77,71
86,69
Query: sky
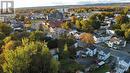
33,3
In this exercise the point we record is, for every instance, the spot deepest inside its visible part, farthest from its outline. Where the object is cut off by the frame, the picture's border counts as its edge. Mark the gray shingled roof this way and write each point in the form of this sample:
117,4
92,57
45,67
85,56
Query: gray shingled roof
122,56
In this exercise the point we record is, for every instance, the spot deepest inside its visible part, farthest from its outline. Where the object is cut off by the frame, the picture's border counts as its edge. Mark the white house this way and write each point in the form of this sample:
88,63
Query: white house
37,16
128,15
90,51
122,61
80,44
16,24
104,54
1,19
54,53
123,65
72,32
55,32
115,42
101,39
110,32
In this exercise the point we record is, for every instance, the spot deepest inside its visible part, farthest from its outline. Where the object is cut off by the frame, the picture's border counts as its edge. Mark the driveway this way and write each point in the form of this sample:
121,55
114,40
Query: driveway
127,48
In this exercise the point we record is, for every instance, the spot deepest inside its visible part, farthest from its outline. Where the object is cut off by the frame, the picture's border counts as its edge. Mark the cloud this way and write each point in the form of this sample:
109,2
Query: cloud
31,3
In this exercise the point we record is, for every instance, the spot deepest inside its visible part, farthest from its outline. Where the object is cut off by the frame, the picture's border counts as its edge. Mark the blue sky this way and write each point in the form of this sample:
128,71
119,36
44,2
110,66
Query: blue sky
33,3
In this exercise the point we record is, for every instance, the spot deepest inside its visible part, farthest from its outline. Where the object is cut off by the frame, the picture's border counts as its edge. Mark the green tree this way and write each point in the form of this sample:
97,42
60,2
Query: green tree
101,17
119,32
69,66
94,21
5,29
31,57
86,26
124,27
65,25
54,66
124,11
65,53
37,35
78,24
2,36
127,34
96,24
121,19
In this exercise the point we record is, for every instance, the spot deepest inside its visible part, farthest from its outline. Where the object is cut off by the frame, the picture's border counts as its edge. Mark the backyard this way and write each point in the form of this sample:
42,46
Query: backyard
102,69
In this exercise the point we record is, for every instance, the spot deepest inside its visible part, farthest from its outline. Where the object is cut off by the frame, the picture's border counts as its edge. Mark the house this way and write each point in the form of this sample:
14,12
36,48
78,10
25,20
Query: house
37,16
74,33
101,36
54,53
57,32
104,54
80,44
101,63
123,61
55,16
55,23
110,32
38,25
89,51
1,19
123,65
116,43
92,50
17,24
128,15
100,39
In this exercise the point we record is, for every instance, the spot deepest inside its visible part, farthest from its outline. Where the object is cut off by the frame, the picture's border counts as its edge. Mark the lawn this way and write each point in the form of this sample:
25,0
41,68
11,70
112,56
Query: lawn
102,69
35,21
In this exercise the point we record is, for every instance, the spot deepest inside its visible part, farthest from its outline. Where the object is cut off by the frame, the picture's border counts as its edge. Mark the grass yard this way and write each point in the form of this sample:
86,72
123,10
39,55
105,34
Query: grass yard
102,69
35,21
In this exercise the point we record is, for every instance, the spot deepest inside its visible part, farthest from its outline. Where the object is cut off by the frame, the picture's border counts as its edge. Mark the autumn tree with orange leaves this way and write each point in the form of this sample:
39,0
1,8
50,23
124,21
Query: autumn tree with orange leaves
87,38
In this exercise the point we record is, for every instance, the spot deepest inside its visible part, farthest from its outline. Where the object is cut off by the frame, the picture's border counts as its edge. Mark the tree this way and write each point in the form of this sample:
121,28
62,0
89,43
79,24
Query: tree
65,53
65,25
37,35
101,17
78,24
5,29
116,26
119,32
31,57
2,36
124,27
86,26
10,45
54,66
87,38
124,11
17,17
96,24
127,34
69,66
19,35
94,21
73,18
121,19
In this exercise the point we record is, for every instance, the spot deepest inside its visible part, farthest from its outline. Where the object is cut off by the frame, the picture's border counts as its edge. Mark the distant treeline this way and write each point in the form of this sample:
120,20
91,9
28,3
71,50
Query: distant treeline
115,9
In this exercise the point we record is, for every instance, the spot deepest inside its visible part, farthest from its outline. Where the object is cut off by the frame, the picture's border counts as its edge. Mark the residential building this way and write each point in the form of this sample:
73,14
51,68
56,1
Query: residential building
104,54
